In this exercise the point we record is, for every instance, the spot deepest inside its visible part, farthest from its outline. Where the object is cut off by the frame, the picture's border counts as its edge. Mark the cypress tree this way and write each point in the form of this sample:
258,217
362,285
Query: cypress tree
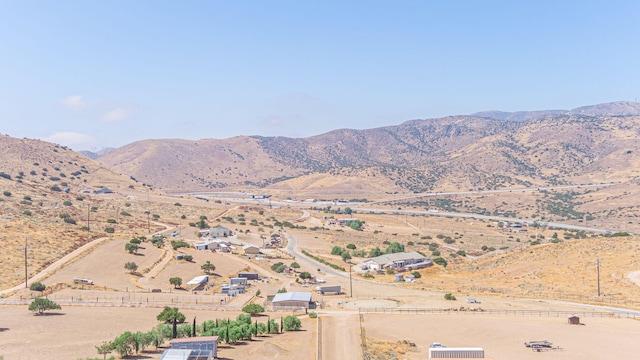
193,333
175,329
268,325
281,325
204,326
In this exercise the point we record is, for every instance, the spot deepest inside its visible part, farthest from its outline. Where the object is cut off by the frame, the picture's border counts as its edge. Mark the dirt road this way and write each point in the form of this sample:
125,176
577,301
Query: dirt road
341,336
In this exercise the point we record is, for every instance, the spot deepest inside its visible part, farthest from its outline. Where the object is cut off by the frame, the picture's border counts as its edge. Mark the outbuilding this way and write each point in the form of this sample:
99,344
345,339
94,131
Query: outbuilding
574,320
250,249
292,299
248,275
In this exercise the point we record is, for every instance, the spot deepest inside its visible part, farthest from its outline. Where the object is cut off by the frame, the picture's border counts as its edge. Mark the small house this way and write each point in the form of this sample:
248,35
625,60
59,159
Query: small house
251,249
398,261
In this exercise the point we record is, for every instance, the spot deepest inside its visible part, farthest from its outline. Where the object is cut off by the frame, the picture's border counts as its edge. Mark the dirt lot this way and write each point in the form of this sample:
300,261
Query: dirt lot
503,337
72,333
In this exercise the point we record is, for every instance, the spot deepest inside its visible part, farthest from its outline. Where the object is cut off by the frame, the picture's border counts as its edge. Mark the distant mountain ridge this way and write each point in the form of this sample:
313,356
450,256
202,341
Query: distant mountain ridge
618,108
490,152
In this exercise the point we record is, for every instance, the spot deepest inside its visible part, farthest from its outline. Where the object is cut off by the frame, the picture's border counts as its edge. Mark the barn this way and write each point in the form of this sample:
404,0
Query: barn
292,299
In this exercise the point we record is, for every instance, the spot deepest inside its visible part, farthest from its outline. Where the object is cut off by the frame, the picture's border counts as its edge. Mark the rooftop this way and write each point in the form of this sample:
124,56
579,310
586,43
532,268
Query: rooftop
292,296
391,258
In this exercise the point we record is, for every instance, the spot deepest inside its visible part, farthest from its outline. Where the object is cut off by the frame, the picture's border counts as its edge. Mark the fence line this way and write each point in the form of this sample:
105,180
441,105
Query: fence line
319,339
363,338
191,306
538,313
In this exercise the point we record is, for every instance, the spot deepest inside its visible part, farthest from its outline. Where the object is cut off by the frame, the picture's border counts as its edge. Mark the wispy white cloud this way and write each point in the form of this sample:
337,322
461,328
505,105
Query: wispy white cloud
117,115
73,140
74,102
272,122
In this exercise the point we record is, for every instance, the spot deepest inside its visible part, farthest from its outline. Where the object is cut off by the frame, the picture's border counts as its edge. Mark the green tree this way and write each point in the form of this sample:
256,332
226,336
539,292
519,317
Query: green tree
40,305
375,252
305,275
356,224
176,282
394,247
351,246
37,286
253,309
169,314
345,256
131,266
337,250
348,210
105,349
131,247
292,323
124,344
295,265
188,258
208,267
416,275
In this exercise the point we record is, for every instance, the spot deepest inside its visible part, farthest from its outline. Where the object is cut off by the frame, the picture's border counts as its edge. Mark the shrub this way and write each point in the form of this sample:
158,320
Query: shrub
27,212
292,323
5,175
449,296
351,246
7,193
440,261
253,309
37,286
67,203
109,230
178,244
124,213
188,258
313,314
416,275
390,272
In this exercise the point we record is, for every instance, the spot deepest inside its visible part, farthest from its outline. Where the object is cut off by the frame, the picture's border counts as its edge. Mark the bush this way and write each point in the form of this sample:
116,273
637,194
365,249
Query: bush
109,230
390,272
440,261
351,246
253,309
188,258
5,175
449,296
416,275
313,314
7,193
37,286
292,323
178,244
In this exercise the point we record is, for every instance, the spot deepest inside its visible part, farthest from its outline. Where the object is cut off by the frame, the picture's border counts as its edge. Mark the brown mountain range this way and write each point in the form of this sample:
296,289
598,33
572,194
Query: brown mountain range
482,151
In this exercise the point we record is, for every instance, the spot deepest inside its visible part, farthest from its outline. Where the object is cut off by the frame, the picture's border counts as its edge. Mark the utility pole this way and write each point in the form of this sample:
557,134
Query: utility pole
148,214
598,271
88,215
26,285
350,281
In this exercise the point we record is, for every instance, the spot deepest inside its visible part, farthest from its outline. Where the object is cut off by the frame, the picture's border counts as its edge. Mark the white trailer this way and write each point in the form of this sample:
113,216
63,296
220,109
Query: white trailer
456,353
329,289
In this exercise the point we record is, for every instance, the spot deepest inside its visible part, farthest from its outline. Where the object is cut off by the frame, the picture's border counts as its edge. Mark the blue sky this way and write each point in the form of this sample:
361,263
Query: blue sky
93,74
